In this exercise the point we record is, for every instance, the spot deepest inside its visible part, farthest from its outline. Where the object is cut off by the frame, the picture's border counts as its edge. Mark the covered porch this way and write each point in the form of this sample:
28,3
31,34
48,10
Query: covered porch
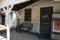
30,18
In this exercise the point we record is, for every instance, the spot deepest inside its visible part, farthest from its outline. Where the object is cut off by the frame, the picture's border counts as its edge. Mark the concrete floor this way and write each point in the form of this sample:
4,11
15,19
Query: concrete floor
26,36
21,36
57,36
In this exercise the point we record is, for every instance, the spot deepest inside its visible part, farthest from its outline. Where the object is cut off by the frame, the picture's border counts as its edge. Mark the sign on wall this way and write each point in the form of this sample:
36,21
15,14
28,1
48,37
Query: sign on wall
57,25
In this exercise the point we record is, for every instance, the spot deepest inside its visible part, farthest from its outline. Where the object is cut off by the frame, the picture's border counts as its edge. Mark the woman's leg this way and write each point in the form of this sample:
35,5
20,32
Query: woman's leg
19,29
16,29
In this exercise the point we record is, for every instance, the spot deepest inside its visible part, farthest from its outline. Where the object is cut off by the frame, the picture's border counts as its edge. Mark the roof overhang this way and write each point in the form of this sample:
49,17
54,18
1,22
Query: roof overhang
4,3
24,4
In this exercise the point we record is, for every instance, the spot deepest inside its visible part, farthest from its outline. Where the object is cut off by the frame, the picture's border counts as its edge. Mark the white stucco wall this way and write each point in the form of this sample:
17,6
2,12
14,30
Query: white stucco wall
56,15
36,13
12,19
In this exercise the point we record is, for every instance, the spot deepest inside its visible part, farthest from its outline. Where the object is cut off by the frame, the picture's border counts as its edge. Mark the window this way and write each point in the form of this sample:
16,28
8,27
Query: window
27,15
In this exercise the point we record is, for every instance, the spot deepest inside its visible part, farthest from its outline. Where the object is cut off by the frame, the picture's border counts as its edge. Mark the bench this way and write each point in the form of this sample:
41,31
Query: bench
27,26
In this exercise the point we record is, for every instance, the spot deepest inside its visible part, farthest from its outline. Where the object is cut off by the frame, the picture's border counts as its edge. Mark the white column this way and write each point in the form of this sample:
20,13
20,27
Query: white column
7,11
53,30
7,25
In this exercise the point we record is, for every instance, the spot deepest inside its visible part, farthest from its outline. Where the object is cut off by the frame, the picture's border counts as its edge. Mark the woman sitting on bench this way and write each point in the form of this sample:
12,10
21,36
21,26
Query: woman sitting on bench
18,26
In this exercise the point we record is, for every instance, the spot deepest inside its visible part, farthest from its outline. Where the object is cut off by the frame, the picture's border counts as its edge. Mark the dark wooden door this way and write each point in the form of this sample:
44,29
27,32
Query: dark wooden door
3,19
45,22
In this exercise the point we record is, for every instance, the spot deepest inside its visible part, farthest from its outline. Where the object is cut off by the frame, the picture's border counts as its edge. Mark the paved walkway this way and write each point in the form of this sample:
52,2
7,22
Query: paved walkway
57,36
26,36
21,36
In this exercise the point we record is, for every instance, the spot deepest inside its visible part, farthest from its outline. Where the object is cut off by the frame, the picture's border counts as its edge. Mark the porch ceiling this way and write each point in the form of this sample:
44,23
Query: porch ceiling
22,5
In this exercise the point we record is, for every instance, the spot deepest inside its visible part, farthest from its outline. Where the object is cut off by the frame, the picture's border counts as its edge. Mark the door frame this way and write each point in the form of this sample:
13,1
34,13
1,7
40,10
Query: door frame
51,19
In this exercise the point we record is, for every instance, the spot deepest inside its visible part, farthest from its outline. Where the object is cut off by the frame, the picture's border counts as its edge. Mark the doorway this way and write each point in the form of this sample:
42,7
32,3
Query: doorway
3,19
45,22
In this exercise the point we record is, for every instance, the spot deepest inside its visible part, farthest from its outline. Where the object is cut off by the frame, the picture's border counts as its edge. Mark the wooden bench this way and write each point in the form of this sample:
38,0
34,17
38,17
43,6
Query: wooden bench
27,26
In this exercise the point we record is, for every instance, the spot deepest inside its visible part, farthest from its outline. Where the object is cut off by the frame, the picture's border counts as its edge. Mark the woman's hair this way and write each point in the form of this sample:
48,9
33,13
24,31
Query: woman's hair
18,19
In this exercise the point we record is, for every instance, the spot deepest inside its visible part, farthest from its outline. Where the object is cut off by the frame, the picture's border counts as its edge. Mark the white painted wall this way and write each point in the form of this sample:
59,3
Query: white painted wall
56,15
12,21
36,13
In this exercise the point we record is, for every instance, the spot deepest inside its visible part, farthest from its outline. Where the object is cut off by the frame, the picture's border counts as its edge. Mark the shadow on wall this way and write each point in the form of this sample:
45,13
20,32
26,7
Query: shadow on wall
36,28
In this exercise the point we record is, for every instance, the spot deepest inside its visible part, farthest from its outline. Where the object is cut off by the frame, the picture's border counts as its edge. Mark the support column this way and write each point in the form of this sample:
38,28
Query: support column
7,22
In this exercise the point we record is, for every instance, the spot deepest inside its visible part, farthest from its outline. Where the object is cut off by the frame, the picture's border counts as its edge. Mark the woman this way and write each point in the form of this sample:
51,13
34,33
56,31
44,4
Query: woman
18,26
